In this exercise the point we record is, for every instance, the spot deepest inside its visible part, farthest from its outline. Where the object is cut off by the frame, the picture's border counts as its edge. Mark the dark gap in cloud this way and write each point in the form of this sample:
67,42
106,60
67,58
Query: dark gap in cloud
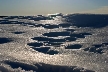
52,52
73,46
49,26
35,44
64,25
56,34
77,35
71,30
18,32
97,48
42,49
69,39
5,40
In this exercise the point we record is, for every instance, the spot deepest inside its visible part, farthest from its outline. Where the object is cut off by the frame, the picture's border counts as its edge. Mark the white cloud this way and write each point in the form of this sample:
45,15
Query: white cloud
102,10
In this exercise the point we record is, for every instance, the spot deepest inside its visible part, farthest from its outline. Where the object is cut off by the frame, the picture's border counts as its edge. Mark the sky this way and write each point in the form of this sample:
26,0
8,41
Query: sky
35,7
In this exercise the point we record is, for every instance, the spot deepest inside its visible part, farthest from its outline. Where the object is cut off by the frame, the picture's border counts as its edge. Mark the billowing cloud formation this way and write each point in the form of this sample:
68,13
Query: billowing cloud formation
102,10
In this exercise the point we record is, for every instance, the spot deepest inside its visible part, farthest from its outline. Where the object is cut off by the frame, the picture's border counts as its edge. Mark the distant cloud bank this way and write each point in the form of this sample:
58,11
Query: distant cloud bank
102,10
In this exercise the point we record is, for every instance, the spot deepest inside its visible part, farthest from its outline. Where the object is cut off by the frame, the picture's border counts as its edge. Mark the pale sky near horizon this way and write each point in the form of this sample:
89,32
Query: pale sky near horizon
34,7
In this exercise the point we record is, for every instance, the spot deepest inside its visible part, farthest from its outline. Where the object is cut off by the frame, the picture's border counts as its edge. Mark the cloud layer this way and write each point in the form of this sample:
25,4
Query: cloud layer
102,10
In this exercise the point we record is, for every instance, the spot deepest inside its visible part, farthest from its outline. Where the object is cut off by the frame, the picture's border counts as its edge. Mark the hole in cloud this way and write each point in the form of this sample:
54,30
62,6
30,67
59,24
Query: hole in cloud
71,30
55,44
5,40
94,50
77,35
35,44
42,49
97,48
75,46
70,39
48,26
18,32
41,38
52,52
85,33
65,25
56,34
